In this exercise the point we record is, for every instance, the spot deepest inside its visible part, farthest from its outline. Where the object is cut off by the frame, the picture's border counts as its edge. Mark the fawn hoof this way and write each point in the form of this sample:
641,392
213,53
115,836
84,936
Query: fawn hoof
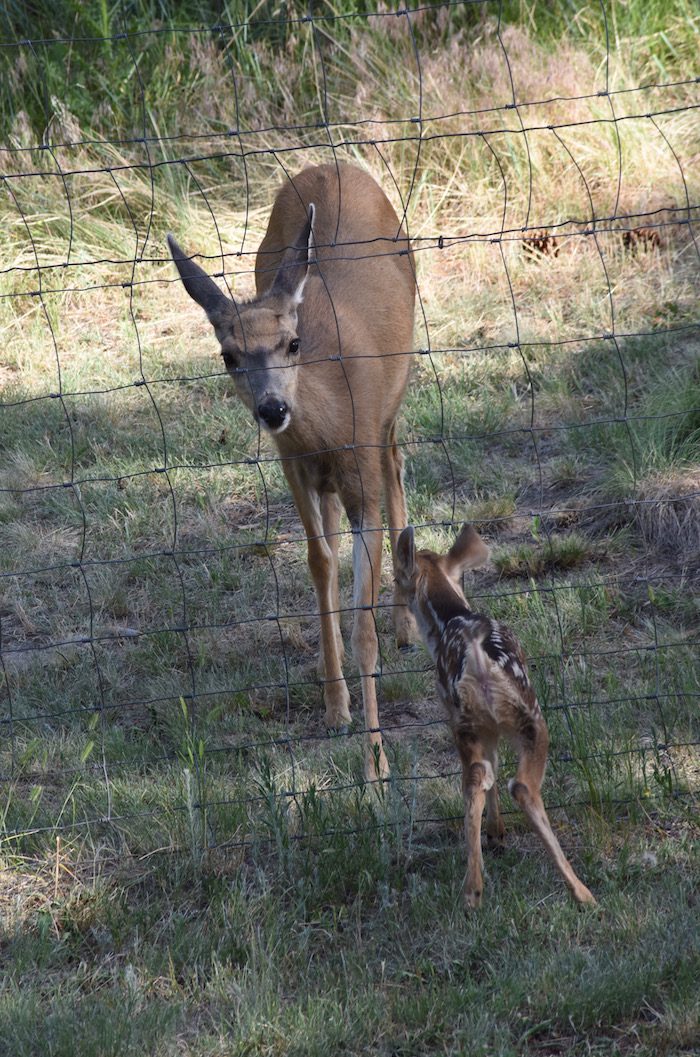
339,732
408,648
584,898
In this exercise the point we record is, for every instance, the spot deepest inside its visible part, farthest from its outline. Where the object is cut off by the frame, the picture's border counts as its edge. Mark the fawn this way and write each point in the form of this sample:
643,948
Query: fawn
483,684
321,357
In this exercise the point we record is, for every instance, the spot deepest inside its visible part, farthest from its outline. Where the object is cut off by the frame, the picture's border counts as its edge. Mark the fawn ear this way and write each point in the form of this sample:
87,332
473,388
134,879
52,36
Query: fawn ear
467,552
198,284
293,270
406,551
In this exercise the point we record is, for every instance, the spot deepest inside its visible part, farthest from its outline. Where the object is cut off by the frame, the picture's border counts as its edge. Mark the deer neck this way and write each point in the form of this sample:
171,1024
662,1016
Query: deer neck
434,607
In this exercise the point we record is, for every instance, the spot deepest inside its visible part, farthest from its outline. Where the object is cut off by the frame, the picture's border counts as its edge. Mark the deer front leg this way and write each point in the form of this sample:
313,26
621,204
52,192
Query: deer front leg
330,514
392,466
323,567
366,563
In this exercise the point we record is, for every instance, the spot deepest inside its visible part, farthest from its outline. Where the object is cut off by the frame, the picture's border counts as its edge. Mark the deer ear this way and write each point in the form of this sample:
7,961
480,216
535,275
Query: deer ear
294,267
467,552
198,284
406,550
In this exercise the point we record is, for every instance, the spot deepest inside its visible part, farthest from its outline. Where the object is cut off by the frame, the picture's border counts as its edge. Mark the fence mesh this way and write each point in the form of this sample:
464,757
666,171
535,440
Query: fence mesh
158,632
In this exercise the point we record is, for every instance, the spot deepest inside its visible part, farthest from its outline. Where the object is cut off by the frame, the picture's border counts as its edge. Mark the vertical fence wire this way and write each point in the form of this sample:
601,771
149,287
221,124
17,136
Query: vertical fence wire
200,682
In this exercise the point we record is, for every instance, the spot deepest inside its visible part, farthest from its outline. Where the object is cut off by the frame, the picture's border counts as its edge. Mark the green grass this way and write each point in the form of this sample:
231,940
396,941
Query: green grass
209,876
199,958
560,553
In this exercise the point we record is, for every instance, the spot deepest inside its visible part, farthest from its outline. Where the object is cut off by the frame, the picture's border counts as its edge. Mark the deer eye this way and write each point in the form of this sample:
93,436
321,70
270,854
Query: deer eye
293,347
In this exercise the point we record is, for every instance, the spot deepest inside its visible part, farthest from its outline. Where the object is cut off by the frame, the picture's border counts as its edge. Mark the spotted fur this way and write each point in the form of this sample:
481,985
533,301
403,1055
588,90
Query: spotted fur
496,640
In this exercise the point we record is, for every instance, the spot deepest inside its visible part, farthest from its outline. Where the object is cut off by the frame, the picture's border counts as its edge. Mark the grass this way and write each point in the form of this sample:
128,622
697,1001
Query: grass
378,950
560,553
188,863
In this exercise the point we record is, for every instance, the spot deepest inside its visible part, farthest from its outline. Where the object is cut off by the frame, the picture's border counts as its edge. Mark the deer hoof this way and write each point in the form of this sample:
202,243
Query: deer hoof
406,633
337,701
472,900
376,768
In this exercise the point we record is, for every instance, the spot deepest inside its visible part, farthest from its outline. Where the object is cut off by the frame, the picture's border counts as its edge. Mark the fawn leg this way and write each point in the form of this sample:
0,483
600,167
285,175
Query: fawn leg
392,469
477,780
525,790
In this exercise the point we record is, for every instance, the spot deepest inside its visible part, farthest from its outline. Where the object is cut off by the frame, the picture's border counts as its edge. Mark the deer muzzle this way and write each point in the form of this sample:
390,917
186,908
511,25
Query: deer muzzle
274,414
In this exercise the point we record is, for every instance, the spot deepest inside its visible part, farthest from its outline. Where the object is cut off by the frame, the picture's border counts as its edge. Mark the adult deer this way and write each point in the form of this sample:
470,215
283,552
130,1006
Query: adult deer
321,357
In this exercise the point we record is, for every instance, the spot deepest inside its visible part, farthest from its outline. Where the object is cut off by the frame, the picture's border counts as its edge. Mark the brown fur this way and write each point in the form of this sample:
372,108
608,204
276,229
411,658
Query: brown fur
483,684
335,272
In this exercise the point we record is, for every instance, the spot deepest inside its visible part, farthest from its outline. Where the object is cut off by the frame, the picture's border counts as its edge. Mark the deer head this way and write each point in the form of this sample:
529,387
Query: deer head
432,581
467,552
260,346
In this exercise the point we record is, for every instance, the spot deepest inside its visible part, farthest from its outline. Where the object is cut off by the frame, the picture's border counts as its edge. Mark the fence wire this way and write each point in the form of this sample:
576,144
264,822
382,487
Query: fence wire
158,677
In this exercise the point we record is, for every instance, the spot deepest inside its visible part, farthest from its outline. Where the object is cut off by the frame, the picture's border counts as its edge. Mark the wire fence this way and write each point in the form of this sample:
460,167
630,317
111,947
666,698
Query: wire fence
158,681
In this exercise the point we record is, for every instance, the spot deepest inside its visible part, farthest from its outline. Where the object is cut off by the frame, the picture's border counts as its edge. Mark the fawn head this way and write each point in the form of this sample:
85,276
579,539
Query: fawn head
260,346
432,581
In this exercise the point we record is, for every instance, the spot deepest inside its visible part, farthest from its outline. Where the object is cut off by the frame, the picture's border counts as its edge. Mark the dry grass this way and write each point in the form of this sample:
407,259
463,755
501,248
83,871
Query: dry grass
668,513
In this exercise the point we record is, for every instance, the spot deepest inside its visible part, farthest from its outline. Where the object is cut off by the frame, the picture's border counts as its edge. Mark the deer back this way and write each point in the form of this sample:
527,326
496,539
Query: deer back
482,678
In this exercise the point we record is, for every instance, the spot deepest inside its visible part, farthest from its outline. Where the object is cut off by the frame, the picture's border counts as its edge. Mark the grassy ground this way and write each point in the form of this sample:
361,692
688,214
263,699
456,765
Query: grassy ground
188,863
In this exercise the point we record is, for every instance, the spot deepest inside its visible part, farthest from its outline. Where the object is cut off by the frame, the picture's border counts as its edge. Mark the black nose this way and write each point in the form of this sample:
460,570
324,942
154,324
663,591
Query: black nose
273,412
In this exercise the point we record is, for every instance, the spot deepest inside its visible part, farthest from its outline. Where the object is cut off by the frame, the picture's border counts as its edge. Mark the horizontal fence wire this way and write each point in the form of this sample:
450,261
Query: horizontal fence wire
158,637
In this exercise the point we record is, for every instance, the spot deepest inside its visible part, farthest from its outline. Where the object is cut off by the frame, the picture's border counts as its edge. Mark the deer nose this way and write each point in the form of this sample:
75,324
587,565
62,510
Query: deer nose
273,412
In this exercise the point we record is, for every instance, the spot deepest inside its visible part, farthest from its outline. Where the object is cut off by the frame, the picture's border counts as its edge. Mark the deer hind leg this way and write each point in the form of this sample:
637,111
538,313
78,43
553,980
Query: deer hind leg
392,468
330,515
323,567
477,781
366,564
525,790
